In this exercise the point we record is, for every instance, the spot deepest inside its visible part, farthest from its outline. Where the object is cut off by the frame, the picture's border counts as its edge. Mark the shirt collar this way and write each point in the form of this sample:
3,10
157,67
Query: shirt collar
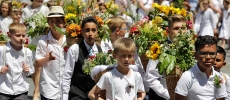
199,71
9,47
50,37
87,46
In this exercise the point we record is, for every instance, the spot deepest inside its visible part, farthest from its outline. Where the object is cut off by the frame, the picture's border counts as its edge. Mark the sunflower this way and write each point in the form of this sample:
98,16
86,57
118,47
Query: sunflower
154,51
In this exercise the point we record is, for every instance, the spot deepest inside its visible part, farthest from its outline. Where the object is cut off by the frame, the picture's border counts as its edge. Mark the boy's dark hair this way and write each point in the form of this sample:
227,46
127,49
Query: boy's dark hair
220,50
205,40
102,4
9,6
88,20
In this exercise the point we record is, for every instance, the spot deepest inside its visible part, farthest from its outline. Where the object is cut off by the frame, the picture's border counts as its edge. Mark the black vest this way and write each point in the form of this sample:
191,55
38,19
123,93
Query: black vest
81,83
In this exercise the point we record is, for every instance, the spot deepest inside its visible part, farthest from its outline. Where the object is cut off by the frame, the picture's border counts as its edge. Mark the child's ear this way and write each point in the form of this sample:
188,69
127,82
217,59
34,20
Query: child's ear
117,30
8,34
224,64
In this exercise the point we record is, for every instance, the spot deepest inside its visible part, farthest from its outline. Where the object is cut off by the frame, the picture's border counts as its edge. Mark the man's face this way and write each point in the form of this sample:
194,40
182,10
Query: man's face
175,28
206,57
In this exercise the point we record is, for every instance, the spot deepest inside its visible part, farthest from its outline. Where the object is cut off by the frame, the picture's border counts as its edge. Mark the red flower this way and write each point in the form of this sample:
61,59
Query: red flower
133,62
91,57
26,41
66,48
110,51
0,31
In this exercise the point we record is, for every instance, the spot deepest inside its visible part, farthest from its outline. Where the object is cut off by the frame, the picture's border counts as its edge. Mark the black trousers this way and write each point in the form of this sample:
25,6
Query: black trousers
154,96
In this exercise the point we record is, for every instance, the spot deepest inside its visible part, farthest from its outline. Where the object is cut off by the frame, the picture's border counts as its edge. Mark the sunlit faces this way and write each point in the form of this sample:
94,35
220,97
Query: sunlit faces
206,57
176,28
56,21
118,33
124,58
102,9
4,9
18,38
219,63
90,32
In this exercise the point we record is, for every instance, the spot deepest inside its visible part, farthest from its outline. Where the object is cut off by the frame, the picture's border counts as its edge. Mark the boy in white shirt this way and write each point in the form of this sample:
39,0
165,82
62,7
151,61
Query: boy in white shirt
15,64
199,82
219,63
121,83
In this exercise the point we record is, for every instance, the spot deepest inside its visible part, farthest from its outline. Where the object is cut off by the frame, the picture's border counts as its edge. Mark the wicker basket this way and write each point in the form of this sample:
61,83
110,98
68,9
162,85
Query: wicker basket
70,41
171,79
2,43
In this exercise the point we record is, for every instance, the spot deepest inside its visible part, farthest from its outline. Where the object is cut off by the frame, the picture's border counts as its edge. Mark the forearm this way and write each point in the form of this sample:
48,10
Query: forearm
41,62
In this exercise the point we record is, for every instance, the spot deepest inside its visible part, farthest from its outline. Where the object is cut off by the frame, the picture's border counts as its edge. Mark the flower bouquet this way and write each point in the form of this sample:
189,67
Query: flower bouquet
3,38
112,8
174,58
37,25
98,59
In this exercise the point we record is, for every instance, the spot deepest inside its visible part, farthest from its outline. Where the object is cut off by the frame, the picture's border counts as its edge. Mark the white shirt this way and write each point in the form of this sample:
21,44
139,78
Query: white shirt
94,48
5,23
207,23
152,79
200,87
28,11
71,58
14,81
52,71
120,85
225,30
227,84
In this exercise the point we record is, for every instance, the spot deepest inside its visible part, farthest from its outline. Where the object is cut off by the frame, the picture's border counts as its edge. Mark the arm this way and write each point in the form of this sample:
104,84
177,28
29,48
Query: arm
151,78
93,94
141,5
216,10
29,63
141,95
68,71
212,21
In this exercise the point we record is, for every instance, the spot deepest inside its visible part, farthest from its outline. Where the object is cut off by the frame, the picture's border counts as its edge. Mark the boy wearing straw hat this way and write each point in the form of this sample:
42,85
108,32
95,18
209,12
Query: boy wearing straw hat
50,56
15,65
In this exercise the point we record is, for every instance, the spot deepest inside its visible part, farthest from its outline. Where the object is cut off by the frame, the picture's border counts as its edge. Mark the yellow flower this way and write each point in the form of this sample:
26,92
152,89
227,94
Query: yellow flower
183,12
73,34
155,5
158,20
154,51
70,8
69,15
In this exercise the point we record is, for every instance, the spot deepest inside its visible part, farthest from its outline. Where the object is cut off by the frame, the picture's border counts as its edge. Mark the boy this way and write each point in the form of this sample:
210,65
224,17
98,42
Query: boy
219,63
155,81
198,82
78,90
15,64
121,83
50,56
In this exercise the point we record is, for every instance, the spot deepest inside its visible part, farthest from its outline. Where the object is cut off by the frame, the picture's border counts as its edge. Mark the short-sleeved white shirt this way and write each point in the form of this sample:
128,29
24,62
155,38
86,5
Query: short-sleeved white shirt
52,71
195,85
121,85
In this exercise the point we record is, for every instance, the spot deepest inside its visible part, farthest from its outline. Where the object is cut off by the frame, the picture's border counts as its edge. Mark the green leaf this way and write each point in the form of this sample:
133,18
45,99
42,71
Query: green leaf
172,61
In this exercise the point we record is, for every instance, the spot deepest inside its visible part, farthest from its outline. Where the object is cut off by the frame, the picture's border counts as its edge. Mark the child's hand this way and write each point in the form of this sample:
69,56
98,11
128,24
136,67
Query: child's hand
4,69
49,56
25,67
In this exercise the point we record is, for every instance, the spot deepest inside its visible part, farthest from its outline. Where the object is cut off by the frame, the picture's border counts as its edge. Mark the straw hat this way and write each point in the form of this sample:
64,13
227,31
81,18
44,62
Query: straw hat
56,11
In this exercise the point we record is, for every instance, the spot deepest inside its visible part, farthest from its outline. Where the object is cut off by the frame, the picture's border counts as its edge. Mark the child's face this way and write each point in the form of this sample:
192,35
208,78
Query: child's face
205,4
38,2
18,38
57,21
89,32
175,28
124,58
17,15
206,57
226,5
102,9
119,33
4,9
219,63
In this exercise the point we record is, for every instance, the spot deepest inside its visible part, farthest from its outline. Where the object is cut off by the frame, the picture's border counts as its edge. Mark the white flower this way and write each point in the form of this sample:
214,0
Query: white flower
32,24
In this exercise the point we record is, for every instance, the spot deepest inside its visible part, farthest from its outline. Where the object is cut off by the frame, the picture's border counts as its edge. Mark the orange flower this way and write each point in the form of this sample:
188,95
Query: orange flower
74,34
99,20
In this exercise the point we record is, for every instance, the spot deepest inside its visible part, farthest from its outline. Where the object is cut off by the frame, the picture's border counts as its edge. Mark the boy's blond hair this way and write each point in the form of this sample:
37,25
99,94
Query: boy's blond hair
116,22
124,44
16,27
175,18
